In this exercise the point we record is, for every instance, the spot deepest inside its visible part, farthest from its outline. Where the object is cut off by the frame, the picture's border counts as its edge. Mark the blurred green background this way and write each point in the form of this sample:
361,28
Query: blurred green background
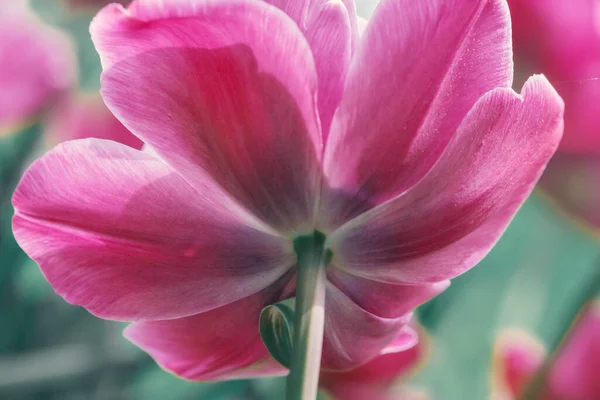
536,279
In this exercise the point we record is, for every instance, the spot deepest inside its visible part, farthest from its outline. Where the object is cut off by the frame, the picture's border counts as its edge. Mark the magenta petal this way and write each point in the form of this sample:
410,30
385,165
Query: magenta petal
420,67
382,370
220,344
37,64
225,91
303,12
119,232
329,35
447,222
384,299
330,28
297,10
353,335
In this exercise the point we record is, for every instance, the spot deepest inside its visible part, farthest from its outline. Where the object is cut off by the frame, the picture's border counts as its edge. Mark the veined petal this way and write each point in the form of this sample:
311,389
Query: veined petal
353,336
330,37
449,221
223,343
303,12
380,371
118,232
419,69
224,90
297,10
383,299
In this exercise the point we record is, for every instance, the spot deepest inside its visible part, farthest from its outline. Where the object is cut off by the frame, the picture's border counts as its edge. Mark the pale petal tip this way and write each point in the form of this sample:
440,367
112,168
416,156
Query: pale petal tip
439,287
538,83
406,339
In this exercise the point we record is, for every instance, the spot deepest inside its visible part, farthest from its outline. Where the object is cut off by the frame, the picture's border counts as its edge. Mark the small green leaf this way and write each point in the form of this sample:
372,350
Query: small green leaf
277,330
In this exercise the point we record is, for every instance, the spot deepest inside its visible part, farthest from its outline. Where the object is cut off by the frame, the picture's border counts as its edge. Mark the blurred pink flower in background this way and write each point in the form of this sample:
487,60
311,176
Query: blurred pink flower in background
37,66
573,373
574,180
409,151
84,115
90,5
561,39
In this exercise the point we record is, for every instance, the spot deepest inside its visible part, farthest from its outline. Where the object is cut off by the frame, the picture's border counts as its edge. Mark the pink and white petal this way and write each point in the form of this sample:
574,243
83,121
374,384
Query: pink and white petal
362,25
418,70
574,373
297,10
85,116
406,338
448,222
220,344
30,81
215,92
383,299
330,37
382,370
354,22
304,12
354,336
118,232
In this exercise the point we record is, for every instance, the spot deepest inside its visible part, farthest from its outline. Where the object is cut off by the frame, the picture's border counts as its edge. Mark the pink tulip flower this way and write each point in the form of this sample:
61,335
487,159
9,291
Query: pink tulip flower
36,66
561,38
267,121
573,374
374,379
84,115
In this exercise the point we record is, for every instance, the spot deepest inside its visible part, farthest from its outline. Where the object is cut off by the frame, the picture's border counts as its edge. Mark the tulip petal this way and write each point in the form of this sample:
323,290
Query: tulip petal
380,371
449,221
329,36
223,343
384,299
303,13
353,336
297,10
331,29
224,91
118,232
418,70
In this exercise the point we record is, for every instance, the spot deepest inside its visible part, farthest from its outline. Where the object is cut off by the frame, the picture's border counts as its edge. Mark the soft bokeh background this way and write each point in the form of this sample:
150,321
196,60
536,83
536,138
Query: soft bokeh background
536,279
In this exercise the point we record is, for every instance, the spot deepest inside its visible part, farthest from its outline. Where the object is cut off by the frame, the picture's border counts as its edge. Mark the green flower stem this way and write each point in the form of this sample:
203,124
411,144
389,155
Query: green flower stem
303,380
